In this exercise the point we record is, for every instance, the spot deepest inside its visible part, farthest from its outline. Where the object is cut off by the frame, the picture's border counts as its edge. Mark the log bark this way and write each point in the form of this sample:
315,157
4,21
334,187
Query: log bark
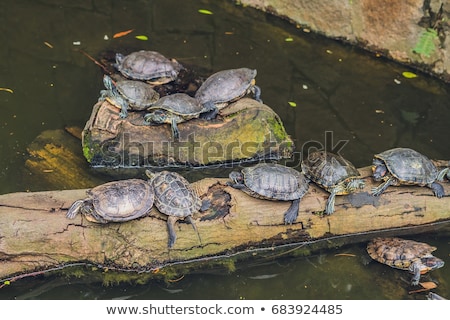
36,235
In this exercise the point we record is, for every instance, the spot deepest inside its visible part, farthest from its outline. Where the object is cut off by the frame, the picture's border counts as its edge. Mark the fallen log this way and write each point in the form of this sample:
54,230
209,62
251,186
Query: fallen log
35,234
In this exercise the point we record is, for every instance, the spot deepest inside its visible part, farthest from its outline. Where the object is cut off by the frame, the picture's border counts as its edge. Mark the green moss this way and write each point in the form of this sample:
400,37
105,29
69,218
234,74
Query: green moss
277,129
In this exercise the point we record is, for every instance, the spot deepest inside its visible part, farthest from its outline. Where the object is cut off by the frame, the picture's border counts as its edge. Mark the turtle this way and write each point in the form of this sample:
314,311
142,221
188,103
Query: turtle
226,86
173,109
404,254
128,94
115,201
332,172
405,166
175,198
272,181
150,66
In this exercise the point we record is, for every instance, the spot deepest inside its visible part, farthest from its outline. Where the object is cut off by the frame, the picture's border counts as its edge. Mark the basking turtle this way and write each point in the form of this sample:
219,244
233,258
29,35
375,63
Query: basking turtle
150,66
226,86
272,181
404,166
115,201
174,109
333,173
175,198
128,95
404,254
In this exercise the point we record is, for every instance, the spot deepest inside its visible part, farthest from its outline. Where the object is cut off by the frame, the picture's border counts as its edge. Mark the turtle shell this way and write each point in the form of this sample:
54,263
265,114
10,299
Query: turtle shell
328,169
275,182
148,65
180,104
138,94
119,201
398,253
409,166
174,195
226,86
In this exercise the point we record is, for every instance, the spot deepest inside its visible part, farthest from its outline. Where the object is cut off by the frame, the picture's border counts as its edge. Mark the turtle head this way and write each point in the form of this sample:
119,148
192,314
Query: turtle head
379,169
431,263
119,58
157,116
108,82
236,177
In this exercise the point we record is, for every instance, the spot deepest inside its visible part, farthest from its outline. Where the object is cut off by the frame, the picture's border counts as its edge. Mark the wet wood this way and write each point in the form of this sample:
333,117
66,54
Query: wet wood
36,235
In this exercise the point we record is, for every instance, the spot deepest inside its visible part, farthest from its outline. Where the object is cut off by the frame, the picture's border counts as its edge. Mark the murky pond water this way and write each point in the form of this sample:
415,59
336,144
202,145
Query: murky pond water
356,96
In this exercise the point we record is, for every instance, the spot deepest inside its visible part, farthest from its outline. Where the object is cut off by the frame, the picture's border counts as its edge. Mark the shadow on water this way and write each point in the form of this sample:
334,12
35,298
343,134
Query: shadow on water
356,96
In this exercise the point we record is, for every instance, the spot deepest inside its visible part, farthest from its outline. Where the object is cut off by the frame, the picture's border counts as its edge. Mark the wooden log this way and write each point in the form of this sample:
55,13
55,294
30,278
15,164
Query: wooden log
36,235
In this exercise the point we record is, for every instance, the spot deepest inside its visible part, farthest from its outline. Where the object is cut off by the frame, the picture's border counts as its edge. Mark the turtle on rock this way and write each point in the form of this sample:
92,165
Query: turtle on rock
115,201
403,254
224,87
175,198
333,173
128,95
405,166
149,66
271,181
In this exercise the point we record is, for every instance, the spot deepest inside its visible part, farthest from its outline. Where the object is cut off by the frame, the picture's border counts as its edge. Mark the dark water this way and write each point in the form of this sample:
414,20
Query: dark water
356,96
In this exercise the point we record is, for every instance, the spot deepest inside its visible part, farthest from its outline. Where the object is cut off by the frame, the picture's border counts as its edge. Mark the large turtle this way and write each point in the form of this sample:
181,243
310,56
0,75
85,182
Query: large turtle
115,201
226,86
272,181
404,254
333,173
174,109
150,66
404,166
175,198
128,95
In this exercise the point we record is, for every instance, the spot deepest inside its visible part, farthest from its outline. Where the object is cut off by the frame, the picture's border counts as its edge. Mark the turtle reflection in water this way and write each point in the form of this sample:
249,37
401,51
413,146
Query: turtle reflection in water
402,254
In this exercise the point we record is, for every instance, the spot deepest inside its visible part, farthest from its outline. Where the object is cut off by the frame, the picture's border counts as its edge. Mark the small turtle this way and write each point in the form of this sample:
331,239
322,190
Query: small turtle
174,109
175,198
333,173
226,86
150,66
128,94
115,201
405,254
272,181
404,166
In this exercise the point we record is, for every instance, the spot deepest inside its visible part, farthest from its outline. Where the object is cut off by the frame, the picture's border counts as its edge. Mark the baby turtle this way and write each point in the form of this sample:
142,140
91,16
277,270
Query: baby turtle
333,173
174,109
128,95
404,254
404,166
115,201
175,198
271,181
150,66
226,86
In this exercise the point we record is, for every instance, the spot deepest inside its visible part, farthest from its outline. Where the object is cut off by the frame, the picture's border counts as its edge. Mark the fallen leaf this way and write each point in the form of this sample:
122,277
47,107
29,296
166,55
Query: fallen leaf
122,33
428,285
344,255
289,39
142,37
292,103
409,75
48,44
7,90
204,11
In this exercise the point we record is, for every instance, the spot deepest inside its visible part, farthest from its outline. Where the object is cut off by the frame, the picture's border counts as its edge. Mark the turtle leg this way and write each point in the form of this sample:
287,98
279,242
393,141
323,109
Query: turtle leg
376,191
191,221
257,93
329,207
74,209
211,111
438,189
415,270
171,220
175,131
443,173
291,214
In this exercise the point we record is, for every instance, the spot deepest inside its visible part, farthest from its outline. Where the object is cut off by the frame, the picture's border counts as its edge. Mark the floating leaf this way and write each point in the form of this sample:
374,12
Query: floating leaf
7,90
142,37
204,11
7,282
425,45
292,103
48,44
409,75
289,39
122,33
